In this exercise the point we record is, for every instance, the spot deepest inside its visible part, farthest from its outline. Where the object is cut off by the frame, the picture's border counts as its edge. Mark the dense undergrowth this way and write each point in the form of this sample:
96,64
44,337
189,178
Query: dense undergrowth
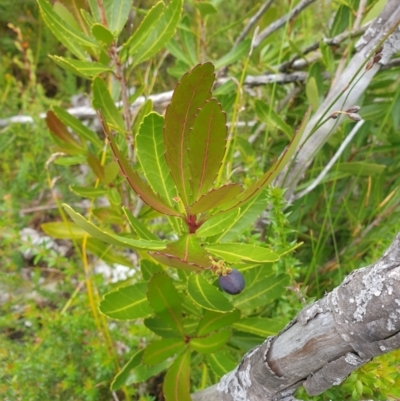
54,344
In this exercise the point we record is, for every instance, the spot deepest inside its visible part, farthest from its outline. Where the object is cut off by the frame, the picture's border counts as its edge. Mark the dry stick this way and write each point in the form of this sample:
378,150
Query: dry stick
345,94
281,21
327,168
336,40
87,113
253,20
328,340
342,62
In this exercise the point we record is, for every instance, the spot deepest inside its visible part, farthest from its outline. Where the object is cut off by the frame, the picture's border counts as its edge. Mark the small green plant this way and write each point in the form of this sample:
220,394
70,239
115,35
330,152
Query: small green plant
174,165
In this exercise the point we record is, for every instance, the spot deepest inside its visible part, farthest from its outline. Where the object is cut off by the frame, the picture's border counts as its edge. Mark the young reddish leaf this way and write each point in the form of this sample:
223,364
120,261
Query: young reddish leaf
177,380
186,253
216,198
190,95
206,147
277,167
165,301
140,187
58,129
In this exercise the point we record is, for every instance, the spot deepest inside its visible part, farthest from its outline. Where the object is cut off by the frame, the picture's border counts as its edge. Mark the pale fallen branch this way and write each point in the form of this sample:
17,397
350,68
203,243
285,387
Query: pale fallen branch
88,113
281,21
331,162
350,86
357,321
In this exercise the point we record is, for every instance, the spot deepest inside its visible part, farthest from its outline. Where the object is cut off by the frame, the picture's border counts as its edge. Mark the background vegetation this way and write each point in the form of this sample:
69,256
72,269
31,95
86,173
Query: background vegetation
53,344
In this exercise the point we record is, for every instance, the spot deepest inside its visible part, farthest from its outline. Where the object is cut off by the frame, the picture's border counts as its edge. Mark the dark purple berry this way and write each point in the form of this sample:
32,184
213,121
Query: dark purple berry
232,283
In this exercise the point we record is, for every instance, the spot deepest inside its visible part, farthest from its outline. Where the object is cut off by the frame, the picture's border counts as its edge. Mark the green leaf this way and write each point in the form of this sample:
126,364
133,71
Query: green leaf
127,303
248,213
114,197
148,23
61,230
221,363
143,373
159,327
85,69
212,321
206,295
270,117
111,171
211,343
141,188
160,350
263,292
277,167
207,142
312,93
161,33
173,47
186,253
150,152
102,34
75,7
260,326
76,125
245,341
165,301
218,223
60,131
112,239
190,95
117,13
148,268
205,8
145,109
343,20
362,168
177,380
122,376
237,53
216,198
235,253
96,166
102,101
189,39
106,253
138,227
72,39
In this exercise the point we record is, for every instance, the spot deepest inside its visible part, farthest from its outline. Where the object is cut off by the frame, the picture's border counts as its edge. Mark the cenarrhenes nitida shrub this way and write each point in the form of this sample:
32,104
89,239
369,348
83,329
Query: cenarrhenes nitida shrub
177,174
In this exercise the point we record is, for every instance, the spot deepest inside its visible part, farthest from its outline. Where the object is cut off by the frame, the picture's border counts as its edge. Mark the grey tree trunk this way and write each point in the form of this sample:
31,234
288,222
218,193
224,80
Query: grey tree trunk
328,340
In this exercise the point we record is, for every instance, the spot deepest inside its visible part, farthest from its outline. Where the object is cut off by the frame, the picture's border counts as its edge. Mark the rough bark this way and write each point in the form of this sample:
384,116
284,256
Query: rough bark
358,320
345,93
